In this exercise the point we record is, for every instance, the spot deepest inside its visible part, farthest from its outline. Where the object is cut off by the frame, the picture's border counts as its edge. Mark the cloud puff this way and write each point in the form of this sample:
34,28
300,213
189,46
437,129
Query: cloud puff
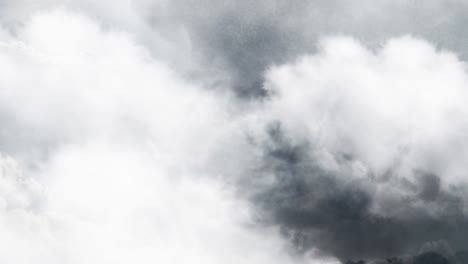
367,148
404,101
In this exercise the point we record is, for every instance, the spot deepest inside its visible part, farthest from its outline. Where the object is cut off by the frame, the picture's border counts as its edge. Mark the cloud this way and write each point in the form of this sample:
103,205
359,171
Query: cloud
234,42
361,146
107,155
202,132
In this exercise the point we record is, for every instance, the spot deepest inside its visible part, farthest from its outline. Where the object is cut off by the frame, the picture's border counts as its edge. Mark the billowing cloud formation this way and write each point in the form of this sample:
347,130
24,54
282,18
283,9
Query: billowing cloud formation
106,156
368,149
201,132
402,102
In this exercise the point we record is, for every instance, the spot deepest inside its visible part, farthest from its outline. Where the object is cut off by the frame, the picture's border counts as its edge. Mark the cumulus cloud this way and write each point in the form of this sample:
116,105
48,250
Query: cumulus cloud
406,97
106,155
235,132
367,147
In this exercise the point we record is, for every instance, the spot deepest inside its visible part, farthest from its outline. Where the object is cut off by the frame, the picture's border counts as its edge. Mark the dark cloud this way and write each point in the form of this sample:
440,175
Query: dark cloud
318,208
429,186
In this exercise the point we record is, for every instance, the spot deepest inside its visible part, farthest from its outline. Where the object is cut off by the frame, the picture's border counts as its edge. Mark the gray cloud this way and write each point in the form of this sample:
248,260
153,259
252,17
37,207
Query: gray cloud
353,149
244,38
321,209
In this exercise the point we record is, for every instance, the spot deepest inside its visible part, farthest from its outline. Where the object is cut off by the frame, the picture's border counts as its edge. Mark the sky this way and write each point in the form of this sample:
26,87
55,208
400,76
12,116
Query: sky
203,131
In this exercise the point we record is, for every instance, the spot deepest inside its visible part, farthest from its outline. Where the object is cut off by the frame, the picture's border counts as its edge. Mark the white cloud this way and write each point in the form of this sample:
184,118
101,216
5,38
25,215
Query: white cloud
113,154
398,108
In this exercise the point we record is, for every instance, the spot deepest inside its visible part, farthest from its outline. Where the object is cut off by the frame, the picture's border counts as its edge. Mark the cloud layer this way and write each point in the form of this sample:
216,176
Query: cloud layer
231,132
233,42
